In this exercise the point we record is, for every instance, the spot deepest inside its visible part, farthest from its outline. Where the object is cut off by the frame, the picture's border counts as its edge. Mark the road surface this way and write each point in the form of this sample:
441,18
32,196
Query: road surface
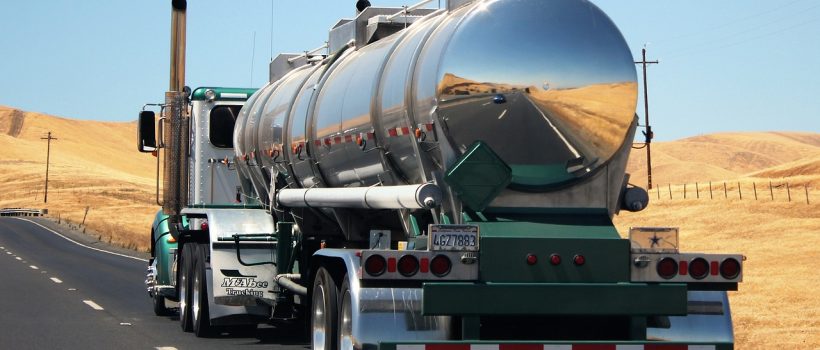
58,294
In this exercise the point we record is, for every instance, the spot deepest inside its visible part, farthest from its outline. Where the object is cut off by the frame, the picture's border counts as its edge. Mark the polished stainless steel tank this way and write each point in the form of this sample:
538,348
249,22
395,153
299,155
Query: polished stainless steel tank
549,85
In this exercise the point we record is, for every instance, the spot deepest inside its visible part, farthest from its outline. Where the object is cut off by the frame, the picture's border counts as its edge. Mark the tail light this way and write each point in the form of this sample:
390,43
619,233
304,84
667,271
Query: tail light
532,259
440,265
555,259
375,265
579,260
699,268
667,268
408,265
730,268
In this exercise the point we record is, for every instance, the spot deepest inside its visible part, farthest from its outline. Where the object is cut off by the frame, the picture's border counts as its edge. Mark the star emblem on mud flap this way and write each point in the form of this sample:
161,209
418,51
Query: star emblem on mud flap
656,241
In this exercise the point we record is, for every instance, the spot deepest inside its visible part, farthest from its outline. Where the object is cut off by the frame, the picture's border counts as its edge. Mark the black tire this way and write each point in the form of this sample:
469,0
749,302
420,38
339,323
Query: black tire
324,312
159,306
200,315
184,286
345,333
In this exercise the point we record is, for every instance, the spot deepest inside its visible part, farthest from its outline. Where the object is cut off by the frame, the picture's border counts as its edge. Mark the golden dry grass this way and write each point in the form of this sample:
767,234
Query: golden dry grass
95,164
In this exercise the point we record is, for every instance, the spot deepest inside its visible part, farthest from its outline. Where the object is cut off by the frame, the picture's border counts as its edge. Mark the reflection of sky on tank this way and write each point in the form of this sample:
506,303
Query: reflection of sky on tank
516,44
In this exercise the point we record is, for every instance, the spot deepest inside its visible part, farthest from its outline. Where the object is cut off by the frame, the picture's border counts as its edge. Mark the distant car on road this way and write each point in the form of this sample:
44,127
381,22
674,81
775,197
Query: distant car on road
499,99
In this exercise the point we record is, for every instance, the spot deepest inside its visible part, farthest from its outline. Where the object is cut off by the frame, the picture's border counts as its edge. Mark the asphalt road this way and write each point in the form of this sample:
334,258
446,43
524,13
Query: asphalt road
517,130
58,294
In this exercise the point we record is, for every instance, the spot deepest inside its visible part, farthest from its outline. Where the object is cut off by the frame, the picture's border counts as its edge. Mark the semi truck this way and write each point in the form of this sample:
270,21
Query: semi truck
413,184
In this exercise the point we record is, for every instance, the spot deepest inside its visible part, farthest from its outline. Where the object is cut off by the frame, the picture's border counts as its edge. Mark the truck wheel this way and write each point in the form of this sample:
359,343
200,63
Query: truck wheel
345,317
324,319
159,305
199,294
184,285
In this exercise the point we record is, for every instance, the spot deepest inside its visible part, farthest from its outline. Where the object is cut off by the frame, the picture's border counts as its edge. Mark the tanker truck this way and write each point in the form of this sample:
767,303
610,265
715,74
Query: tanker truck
428,179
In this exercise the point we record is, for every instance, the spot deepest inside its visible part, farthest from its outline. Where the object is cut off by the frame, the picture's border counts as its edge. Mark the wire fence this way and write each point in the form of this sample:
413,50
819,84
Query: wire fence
770,190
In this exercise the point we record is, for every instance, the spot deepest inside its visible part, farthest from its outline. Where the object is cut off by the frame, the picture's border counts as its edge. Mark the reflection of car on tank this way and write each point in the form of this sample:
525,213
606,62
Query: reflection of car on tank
499,99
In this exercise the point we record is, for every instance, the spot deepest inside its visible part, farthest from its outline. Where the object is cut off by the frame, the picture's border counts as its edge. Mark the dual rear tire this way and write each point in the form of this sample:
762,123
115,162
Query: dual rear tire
331,313
194,314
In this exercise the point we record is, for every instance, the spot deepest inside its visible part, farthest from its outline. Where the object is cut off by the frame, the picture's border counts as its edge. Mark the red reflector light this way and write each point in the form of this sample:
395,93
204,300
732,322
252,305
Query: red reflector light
698,268
730,268
440,265
684,268
375,265
531,259
408,265
555,259
714,268
203,226
425,265
579,260
667,268
391,265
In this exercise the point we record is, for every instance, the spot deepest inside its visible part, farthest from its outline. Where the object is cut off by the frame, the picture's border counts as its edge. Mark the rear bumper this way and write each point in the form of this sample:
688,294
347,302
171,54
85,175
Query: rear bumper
628,299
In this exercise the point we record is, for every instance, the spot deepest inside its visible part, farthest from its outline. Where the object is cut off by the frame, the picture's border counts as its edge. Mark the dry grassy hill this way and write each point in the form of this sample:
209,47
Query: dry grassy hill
95,164
728,156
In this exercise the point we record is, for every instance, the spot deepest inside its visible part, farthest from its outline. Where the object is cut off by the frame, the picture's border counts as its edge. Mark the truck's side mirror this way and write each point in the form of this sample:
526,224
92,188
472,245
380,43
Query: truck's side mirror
146,132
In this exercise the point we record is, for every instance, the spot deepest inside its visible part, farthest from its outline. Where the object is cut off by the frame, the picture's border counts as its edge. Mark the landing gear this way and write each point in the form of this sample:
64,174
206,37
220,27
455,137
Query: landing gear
324,312
200,317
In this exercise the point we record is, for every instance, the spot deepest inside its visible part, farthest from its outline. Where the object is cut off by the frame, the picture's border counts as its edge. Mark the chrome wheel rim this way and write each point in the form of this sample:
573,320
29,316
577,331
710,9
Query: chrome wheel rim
183,295
346,324
195,299
318,325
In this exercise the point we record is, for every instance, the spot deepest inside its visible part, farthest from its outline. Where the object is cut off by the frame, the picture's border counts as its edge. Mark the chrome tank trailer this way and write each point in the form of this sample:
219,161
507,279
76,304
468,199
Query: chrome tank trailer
550,86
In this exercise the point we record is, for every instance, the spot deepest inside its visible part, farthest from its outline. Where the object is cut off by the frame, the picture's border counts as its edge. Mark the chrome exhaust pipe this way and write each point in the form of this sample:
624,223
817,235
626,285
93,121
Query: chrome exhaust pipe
175,193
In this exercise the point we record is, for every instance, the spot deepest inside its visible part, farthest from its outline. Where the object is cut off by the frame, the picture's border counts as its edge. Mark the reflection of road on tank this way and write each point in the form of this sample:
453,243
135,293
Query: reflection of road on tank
518,131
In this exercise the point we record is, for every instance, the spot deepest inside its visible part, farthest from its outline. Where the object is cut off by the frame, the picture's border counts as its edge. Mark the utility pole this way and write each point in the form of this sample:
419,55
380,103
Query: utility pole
648,132
48,159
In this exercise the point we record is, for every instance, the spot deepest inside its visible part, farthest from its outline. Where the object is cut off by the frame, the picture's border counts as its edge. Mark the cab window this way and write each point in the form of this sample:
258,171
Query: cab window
223,119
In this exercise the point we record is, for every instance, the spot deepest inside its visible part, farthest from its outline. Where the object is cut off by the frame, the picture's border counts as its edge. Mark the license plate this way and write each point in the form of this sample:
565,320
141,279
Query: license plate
454,237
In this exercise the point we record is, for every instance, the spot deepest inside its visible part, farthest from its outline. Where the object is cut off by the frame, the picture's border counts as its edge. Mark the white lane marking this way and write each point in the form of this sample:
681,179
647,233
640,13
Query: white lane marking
93,305
125,324
18,258
165,348
502,114
34,267
83,245
72,289
56,280
3,248
564,139
9,253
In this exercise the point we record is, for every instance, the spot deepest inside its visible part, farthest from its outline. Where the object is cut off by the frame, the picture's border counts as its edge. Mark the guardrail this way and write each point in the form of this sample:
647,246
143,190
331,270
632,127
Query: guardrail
22,212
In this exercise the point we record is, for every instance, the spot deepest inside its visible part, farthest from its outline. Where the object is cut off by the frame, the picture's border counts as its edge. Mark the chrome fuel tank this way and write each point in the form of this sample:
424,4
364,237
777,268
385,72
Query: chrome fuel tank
549,85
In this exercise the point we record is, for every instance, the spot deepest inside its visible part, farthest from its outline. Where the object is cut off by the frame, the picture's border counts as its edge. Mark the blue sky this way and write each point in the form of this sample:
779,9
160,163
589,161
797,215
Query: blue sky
731,65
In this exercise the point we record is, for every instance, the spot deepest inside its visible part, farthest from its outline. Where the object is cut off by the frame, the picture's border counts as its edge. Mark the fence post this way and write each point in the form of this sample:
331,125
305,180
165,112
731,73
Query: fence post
806,187
697,191
725,194
670,190
85,215
710,191
739,191
788,192
771,193
754,188
659,192
684,191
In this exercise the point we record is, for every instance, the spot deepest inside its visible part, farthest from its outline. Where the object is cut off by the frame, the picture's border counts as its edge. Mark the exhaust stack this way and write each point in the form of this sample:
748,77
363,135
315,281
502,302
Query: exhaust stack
175,192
